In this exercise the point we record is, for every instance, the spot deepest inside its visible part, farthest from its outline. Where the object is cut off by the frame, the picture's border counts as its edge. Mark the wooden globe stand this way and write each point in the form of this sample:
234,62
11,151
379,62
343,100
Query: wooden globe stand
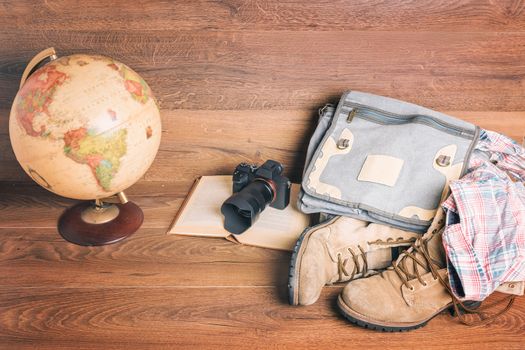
99,223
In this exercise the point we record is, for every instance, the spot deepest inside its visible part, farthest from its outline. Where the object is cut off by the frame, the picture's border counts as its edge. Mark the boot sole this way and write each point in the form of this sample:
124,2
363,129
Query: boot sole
365,322
295,263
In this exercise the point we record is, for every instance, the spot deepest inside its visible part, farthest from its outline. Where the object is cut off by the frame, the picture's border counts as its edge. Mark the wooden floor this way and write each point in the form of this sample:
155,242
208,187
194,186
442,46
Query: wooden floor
237,81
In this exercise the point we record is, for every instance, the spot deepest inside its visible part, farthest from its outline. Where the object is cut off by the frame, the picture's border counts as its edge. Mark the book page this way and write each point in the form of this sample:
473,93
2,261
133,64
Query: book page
201,216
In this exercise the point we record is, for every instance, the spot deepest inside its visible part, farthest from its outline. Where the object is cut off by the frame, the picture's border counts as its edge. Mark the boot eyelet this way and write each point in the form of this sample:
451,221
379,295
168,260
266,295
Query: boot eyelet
412,289
426,284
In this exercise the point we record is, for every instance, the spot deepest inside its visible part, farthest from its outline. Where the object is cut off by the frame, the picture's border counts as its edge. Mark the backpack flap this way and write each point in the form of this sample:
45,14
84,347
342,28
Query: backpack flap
388,159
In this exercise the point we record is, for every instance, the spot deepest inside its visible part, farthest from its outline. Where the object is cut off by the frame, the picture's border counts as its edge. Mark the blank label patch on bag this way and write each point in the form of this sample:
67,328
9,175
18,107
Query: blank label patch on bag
381,169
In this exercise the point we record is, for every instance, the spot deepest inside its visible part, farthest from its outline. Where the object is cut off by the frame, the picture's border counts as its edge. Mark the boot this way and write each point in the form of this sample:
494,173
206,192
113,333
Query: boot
410,292
339,250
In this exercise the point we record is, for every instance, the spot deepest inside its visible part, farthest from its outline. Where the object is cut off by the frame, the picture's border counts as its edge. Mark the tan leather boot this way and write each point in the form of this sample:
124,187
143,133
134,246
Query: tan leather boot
339,250
405,296
410,292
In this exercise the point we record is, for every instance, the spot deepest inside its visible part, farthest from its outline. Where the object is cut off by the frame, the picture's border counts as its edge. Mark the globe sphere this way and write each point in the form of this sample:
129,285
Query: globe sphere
85,126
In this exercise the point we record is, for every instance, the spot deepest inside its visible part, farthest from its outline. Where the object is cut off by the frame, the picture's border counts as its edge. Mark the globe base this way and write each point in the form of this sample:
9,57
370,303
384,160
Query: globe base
75,228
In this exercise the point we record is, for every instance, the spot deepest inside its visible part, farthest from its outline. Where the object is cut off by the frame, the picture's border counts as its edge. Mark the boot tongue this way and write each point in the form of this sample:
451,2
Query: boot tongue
395,252
436,250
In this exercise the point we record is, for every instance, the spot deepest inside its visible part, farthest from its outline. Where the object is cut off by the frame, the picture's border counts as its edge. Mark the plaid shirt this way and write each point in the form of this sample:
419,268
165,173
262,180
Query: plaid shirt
484,236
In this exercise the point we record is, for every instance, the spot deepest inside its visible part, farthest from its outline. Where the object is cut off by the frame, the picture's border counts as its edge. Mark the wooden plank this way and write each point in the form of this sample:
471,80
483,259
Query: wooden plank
428,15
296,70
31,248
25,205
149,258
219,318
199,143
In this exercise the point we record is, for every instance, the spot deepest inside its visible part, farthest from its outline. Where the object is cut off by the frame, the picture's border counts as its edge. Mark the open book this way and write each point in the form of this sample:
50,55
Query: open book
200,215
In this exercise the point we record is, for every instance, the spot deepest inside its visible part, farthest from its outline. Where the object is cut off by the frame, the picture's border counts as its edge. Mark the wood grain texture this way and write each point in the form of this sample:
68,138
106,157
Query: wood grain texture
420,15
147,259
296,69
237,81
218,318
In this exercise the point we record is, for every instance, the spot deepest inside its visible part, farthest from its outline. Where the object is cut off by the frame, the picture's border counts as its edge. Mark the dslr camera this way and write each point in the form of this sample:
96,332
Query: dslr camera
253,189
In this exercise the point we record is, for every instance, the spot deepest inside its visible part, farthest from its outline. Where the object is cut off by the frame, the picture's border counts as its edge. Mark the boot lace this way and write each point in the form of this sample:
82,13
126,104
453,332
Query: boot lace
420,256
341,263
363,270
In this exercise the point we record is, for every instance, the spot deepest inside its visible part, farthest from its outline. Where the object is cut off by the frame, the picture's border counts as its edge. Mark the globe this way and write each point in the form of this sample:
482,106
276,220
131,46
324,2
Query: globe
85,126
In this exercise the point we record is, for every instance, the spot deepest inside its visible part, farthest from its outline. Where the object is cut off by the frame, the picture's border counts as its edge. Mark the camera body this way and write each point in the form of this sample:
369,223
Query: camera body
271,173
253,189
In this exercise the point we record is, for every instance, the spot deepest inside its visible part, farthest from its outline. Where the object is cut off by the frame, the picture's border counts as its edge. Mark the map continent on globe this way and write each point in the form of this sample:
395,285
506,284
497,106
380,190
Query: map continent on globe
85,127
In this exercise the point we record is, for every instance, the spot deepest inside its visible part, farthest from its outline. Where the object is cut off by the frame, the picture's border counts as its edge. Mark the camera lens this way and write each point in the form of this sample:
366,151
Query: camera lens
244,213
242,209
